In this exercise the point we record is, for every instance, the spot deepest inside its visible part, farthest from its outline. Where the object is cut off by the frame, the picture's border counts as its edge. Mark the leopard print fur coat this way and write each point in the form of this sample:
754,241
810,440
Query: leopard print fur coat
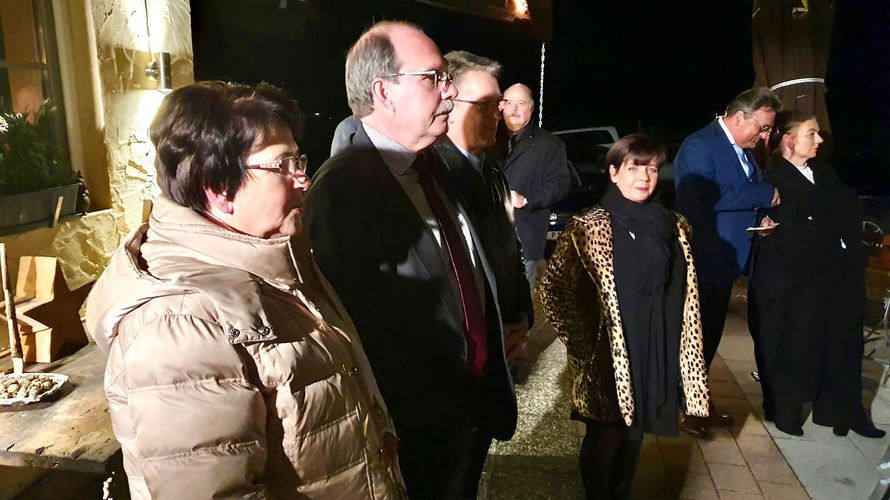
579,298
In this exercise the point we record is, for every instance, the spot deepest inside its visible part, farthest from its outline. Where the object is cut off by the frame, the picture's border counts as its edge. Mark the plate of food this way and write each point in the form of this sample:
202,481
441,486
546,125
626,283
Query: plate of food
24,388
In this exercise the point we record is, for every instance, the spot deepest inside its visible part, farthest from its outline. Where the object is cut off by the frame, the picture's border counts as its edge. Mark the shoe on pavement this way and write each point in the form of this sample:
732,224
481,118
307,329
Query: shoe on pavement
694,426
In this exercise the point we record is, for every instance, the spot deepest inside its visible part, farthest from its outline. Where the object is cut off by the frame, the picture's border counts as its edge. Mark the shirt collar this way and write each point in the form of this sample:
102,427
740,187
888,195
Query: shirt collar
525,131
397,157
726,130
474,160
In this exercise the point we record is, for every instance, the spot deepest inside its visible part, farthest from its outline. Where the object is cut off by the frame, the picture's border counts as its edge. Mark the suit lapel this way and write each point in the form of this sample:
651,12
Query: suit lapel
523,146
397,207
446,182
730,156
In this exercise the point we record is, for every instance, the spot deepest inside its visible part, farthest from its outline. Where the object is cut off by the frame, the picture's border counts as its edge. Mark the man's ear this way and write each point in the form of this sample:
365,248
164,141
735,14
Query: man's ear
737,117
218,202
380,94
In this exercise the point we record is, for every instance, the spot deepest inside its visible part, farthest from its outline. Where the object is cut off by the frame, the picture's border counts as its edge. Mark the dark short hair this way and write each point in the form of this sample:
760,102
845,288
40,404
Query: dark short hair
203,133
786,122
751,100
640,148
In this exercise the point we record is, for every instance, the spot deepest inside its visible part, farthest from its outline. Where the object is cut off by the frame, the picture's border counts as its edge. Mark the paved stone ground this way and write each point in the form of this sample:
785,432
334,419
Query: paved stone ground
751,460
830,467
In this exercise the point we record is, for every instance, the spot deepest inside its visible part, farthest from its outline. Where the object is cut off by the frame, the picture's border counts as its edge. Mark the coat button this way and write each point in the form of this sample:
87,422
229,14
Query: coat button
379,452
264,330
354,370
233,333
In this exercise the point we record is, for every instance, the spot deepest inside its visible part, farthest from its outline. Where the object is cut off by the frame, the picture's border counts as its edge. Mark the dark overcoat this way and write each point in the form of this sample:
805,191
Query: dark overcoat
386,265
537,168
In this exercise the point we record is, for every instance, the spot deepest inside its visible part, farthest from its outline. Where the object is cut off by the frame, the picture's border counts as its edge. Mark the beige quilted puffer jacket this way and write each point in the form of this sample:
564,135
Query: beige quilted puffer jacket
234,371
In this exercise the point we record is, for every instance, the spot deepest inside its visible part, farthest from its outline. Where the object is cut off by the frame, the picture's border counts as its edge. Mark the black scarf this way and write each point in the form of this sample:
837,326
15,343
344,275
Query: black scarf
650,286
652,227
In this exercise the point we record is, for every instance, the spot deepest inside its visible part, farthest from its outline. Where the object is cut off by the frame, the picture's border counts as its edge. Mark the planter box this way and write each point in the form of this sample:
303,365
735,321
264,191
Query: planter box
37,206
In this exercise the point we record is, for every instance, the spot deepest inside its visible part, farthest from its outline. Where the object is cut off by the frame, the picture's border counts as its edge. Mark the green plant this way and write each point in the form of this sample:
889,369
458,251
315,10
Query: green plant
29,158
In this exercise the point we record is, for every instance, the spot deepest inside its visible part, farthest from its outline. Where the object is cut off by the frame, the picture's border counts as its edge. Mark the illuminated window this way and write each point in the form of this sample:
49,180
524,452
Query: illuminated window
29,69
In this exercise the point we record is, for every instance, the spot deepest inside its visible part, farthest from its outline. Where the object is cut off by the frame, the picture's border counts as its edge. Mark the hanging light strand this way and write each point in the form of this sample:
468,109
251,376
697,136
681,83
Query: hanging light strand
541,89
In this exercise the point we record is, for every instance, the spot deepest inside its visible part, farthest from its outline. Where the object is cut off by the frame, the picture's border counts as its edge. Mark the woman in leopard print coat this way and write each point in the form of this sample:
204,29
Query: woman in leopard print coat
621,292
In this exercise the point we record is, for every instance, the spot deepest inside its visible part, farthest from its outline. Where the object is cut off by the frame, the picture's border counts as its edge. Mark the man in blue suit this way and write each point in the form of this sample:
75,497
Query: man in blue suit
720,189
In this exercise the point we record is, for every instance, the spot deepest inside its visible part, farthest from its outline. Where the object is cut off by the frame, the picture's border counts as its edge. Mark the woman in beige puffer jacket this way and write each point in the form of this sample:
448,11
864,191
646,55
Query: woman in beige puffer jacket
233,369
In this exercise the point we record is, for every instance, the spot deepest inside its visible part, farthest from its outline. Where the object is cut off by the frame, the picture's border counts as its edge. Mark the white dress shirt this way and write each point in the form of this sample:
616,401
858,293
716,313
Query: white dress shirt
744,165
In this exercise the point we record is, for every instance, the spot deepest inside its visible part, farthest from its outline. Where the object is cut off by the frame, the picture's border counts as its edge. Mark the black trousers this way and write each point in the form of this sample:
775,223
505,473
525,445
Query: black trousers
608,460
755,325
442,464
714,303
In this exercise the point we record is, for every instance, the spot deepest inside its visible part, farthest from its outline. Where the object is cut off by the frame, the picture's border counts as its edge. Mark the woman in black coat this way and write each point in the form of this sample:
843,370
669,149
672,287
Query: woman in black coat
809,288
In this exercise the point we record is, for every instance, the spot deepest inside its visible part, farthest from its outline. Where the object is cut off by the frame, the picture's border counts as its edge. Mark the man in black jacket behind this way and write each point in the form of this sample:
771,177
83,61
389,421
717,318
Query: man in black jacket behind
537,172
472,126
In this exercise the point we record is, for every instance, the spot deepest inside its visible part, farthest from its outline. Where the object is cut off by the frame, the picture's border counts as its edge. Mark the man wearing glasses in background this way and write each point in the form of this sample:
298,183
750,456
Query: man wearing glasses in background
719,189
537,171
472,127
397,240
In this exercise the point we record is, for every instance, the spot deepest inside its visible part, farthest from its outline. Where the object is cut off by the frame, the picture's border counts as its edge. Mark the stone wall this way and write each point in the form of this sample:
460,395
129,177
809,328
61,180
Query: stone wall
115,52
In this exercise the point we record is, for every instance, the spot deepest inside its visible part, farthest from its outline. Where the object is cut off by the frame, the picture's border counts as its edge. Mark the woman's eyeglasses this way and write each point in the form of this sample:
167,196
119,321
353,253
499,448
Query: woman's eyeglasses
287,167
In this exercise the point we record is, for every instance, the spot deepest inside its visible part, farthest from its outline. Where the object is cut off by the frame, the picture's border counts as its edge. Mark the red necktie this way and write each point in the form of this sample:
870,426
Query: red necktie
470,296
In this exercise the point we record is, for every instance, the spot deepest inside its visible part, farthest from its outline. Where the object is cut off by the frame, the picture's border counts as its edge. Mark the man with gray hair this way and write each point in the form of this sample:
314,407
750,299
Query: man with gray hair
720,189
397,240
472,126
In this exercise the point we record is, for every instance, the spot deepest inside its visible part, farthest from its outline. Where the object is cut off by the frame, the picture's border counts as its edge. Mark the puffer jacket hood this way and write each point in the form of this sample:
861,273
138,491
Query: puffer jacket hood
233,368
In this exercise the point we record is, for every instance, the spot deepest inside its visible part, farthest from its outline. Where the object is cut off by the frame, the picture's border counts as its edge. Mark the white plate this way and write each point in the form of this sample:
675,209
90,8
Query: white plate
58,381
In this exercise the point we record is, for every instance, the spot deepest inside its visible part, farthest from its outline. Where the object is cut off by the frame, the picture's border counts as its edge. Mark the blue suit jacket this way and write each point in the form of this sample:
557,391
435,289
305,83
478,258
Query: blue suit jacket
716,196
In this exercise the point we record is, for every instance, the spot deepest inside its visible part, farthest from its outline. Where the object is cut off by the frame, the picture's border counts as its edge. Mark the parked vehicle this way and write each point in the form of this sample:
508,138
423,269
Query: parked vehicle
586,150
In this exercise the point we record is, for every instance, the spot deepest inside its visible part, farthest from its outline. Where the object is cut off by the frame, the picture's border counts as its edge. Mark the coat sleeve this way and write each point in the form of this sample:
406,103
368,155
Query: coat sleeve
556,180
197,424
523,302
568,293
698,186
339,216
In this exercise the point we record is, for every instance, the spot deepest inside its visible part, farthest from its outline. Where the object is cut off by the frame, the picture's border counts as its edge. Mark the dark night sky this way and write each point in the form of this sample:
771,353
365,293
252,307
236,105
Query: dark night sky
667,66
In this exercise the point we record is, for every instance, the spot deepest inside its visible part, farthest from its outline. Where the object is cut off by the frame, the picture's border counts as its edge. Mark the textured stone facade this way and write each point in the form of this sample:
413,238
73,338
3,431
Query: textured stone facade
128,102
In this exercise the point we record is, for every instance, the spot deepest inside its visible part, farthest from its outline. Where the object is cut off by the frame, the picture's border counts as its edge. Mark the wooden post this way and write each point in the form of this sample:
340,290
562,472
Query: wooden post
58,211
15,342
